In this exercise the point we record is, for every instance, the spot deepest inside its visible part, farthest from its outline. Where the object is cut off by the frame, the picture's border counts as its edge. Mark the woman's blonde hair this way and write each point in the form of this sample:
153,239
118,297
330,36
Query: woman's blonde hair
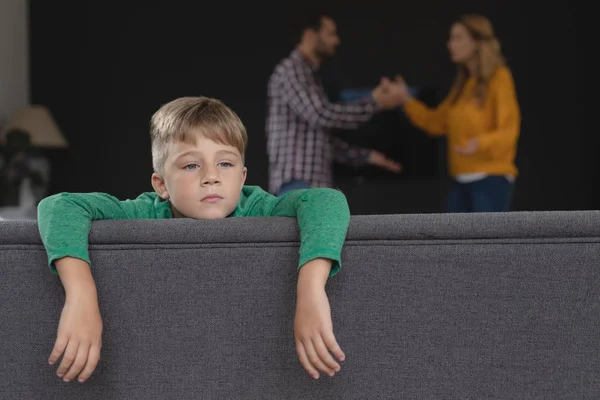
489,56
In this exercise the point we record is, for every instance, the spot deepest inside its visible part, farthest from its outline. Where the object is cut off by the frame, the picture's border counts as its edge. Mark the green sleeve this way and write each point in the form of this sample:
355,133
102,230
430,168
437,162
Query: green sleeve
65,219
323,219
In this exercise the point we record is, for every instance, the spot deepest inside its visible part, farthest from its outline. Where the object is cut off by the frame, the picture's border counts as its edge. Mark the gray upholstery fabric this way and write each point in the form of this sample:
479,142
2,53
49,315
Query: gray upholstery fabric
500,306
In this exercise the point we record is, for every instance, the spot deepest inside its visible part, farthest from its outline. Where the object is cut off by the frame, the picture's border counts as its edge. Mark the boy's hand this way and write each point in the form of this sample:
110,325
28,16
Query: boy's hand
79,334
312,326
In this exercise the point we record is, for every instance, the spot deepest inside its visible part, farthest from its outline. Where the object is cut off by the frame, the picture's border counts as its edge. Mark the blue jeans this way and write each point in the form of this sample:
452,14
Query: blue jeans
292,185
491,194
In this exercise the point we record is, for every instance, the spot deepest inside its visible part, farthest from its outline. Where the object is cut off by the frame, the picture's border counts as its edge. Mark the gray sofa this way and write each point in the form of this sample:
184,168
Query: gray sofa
502,306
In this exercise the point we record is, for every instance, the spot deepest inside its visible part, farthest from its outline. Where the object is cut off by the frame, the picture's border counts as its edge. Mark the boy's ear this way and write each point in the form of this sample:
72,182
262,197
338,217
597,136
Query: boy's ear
158,183
244,173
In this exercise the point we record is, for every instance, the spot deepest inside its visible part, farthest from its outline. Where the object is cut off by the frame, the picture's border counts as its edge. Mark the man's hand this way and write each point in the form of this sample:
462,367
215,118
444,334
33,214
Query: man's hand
381,160
387,94
79,334
313,328
470,148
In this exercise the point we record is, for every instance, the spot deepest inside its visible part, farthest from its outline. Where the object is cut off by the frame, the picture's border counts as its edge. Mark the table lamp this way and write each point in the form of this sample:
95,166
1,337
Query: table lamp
38,122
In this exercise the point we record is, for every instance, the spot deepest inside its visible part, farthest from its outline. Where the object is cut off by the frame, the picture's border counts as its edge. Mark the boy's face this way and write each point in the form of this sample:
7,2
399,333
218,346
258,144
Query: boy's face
202,181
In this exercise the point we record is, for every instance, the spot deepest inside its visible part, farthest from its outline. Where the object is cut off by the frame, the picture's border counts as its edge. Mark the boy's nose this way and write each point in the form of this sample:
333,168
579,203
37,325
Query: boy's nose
211,175
210,179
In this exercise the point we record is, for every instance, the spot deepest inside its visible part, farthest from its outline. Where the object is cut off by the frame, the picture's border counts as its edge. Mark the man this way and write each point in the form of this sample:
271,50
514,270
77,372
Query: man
300,147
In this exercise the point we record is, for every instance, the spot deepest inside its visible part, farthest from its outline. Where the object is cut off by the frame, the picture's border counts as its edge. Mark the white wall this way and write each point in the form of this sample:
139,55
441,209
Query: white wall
14,56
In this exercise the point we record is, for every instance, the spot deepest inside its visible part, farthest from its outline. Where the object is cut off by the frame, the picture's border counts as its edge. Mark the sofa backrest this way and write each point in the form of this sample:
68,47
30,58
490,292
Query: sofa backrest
447,306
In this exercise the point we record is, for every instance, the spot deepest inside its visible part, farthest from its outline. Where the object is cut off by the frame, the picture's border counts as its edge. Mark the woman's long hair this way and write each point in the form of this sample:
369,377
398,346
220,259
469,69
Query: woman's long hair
489,56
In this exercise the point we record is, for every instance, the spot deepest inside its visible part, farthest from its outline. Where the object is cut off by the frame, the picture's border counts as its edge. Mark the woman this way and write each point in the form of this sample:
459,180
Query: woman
481,118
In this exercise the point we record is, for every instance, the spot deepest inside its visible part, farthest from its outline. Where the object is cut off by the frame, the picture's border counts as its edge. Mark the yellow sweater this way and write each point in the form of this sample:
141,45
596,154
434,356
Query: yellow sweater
496,125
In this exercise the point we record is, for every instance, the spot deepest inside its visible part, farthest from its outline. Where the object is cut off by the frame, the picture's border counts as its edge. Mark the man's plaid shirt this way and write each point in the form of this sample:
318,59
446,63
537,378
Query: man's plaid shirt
300,115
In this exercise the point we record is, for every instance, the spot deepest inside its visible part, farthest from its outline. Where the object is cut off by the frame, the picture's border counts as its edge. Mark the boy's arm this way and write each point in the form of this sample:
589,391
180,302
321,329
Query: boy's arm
313,328
65,220
323,219
79,334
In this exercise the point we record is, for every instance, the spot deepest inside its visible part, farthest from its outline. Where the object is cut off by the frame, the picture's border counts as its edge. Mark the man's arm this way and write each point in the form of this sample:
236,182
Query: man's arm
355,156
310,103
346,154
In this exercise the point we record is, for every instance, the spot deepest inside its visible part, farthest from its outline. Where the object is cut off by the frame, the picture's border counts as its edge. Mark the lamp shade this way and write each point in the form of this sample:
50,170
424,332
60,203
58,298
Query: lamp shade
38,122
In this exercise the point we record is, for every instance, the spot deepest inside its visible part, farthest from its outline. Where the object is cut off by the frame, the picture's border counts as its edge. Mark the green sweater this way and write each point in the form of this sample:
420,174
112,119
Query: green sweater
65,219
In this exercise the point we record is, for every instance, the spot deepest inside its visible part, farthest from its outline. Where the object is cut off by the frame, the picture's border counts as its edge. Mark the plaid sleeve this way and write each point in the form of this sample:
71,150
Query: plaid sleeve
307,99
352,156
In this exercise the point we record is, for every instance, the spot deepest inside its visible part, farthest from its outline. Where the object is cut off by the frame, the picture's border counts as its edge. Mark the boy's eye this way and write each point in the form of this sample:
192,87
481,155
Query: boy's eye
191,166
225,164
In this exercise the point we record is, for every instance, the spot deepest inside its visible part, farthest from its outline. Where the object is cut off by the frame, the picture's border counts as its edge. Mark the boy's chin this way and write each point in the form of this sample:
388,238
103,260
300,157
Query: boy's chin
212,213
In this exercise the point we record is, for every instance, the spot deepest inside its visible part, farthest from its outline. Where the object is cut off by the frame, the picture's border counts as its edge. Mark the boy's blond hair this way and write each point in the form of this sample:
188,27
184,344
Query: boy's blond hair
182,119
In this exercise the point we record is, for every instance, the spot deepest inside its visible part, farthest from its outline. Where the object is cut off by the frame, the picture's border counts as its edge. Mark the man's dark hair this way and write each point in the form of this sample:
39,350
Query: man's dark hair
309,19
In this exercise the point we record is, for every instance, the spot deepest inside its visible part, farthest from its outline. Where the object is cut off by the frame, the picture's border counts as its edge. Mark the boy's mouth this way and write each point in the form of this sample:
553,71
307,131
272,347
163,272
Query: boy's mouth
211,198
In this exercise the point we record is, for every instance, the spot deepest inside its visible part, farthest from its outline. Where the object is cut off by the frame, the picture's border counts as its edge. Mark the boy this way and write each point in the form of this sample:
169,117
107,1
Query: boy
198,147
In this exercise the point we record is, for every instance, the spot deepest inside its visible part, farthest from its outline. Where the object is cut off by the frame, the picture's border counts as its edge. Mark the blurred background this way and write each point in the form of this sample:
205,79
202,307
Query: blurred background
101,69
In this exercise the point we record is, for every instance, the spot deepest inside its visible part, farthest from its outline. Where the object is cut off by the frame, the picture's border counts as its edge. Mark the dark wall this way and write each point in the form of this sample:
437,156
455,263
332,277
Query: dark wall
103,69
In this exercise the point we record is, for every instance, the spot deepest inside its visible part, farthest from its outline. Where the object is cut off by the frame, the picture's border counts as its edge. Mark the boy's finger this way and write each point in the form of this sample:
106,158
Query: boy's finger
333,345
314,358
92,362
57,350
324,354
304,360
68,358
79,363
